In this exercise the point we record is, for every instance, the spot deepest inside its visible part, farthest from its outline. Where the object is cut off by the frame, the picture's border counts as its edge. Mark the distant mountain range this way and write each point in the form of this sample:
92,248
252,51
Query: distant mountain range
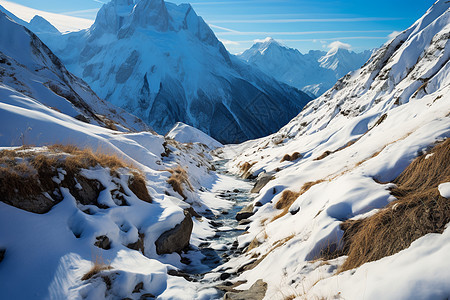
161,62
314,72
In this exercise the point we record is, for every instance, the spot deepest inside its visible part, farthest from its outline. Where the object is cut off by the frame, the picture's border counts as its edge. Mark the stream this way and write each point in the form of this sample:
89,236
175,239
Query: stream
223,245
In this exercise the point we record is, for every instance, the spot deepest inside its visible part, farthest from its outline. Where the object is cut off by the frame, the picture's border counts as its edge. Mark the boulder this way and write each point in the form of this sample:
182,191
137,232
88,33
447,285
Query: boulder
177,238
245,213
256,292
261,182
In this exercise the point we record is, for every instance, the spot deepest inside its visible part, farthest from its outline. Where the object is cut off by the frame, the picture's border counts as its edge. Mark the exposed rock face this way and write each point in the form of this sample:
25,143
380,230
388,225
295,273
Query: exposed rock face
103,242
261,182
256,292
176,239
245,213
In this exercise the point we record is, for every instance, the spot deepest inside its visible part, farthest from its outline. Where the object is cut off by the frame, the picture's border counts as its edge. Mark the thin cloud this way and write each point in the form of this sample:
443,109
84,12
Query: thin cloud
234,32
339,45
393,34
229,43
274,21
61,22
231,31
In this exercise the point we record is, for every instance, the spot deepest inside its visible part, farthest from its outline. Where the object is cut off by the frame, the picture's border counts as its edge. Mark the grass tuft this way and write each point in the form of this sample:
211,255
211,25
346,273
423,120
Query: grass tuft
178,179
419,210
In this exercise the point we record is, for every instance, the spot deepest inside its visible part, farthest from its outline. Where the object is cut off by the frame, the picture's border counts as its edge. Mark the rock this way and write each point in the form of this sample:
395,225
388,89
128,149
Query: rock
103,242
236,191
256,292
177,238
245,213
261,182
193,212
225,276
244,222
138,287
139,244
181,274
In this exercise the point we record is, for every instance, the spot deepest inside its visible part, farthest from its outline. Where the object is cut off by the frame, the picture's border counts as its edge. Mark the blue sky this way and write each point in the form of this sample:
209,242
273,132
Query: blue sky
301,24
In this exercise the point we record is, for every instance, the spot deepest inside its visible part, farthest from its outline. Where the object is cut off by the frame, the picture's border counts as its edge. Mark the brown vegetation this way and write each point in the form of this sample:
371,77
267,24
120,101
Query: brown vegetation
97,267
419,210
292,157
179,178
245,169
323,155
30,178
288,197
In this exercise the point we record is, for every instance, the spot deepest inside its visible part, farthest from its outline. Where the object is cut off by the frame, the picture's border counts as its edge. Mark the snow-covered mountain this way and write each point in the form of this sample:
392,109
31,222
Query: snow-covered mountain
29,67
89,212
354,179
313,72
161,62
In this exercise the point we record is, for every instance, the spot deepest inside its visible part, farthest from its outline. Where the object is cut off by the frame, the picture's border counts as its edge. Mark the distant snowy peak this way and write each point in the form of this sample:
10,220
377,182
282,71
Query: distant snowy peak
343,61
40,25
261,47
123,17
314,72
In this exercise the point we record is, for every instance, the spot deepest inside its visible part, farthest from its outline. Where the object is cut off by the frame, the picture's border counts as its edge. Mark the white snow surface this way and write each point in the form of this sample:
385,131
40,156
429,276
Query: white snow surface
396,106
184,133
314,72
444,189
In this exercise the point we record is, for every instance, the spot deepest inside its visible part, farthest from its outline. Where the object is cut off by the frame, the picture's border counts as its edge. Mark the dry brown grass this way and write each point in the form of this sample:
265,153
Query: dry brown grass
323,155
294,156
178,179
288,197
97,267
245,169
419,210
26,174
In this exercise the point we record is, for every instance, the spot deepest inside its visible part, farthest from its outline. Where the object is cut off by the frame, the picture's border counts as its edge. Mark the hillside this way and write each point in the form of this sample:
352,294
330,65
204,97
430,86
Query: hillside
345,169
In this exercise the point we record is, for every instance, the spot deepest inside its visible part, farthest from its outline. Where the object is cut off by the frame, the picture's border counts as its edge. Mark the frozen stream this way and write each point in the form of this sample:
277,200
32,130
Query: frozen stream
219,248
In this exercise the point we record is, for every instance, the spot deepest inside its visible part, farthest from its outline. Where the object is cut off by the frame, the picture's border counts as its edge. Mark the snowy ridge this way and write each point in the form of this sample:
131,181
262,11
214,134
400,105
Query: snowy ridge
313,73
370,125
187,134
214,92
28,66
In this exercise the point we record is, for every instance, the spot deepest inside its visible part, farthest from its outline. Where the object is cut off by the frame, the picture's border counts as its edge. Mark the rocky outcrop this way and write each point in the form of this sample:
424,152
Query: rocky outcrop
256,292
261,182
245,213
177,238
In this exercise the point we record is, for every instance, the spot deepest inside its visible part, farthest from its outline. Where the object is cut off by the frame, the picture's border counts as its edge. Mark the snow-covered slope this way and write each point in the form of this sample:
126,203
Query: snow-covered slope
313,72
187,134
351,143
161,62
29,67
92,214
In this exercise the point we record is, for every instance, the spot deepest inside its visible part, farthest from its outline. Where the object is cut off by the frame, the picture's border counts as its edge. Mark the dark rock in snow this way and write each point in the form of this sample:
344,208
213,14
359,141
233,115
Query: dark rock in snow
103,242
177,238
261,182
245,213
256,292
